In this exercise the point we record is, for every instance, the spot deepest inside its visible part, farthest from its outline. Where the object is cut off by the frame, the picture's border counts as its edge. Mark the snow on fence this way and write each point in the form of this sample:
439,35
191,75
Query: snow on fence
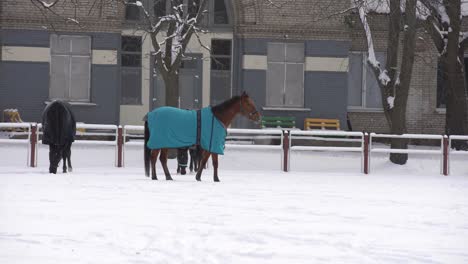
18,129
248,139
441,151
453,151
329,136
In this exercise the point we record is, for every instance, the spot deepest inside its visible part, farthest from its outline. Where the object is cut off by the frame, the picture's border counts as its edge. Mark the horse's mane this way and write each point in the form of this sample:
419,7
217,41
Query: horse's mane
218,109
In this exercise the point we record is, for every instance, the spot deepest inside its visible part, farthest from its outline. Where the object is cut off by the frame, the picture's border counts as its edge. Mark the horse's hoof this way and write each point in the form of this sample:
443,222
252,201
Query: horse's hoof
154,178
170,179
198,179
216,180
70,169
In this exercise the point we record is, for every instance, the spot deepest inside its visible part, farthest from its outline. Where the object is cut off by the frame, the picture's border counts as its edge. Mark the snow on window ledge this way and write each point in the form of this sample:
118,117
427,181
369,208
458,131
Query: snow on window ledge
365,110
271,108
78,103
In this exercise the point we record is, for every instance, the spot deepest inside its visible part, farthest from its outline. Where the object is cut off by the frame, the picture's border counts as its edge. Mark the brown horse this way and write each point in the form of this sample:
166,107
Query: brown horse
223,114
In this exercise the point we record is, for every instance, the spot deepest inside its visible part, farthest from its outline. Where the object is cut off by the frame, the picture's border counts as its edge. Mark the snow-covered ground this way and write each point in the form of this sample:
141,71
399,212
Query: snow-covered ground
323,211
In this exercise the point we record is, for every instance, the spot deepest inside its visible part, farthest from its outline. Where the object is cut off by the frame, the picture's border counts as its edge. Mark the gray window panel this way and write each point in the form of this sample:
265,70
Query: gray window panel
81,45
220,86
275,84
220,15
186,90
355,80
294,52
294,96
59,81
373,98
276,52
131,86
373,93
80,78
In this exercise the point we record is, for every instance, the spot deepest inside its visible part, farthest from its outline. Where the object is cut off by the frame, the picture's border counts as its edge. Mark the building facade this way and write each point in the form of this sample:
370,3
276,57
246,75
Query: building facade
298,58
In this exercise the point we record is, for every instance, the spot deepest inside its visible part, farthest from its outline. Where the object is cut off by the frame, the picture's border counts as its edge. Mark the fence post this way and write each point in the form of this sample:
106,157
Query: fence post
366,153
285,150
119,146
33,143
445,156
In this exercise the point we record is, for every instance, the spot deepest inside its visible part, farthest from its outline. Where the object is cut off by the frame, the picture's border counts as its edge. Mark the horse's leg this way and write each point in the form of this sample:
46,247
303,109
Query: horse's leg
191,160
64,158
214,157
163,159
70,169
205,157
154,158
54,158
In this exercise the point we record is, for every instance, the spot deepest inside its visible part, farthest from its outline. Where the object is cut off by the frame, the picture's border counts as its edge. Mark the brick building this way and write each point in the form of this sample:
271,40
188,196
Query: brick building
298,58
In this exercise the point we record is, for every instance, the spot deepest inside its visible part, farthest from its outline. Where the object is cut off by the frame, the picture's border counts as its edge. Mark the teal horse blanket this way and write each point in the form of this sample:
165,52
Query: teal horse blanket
172,127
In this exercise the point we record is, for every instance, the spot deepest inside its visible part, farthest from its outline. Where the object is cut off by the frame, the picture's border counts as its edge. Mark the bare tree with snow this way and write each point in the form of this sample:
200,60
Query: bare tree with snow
393,78
443,22
170,35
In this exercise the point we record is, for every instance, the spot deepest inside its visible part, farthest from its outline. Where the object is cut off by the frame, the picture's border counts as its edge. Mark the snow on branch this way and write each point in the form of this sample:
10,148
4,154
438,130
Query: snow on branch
47,5
384,79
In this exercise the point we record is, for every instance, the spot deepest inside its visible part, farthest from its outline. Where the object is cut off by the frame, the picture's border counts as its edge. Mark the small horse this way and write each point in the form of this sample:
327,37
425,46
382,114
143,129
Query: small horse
169,127
59,130
183,159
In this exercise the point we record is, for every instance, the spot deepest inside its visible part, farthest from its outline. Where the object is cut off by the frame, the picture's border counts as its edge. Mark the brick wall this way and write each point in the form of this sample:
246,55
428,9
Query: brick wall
320,19
93,16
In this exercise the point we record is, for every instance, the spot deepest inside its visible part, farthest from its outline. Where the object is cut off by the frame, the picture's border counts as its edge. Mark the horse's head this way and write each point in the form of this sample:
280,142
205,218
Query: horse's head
247,107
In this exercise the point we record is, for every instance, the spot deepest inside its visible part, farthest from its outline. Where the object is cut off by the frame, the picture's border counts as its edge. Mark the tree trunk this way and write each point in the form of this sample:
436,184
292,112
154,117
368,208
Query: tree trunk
171,80
456,115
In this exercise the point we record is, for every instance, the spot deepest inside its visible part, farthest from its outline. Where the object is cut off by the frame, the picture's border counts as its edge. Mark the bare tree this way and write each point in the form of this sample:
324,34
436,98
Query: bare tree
170,35
443,23
393,79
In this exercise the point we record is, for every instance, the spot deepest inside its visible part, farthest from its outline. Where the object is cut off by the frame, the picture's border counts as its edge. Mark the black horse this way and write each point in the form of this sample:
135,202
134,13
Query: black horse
59,130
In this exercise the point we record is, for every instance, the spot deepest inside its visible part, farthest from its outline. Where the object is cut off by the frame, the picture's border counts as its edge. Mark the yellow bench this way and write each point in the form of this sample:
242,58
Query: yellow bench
12,116
321,123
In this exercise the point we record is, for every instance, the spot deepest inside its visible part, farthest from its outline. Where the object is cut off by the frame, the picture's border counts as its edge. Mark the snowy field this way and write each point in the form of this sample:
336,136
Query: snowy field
323,211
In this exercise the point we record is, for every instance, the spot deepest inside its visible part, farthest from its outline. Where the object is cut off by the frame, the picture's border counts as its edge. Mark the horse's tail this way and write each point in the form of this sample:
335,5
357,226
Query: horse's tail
147,151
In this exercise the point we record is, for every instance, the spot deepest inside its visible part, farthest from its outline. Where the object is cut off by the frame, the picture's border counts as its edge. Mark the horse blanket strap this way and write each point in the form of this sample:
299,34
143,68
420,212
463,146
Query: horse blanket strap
198,126
172,127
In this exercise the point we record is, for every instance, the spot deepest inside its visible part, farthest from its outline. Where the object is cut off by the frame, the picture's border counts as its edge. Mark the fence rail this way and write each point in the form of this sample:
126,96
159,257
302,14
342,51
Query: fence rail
246,139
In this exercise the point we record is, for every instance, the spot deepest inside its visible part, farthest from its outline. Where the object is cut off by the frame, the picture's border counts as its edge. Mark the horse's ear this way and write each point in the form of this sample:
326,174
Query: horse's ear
244,93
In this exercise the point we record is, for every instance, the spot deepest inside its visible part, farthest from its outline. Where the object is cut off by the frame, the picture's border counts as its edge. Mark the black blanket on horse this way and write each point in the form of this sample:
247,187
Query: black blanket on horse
58,124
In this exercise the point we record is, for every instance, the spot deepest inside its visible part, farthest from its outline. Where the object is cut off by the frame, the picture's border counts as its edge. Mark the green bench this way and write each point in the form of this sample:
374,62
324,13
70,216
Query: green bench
278,121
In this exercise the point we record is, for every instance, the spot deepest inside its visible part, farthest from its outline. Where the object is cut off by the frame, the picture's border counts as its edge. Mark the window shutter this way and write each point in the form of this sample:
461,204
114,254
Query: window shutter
355,80
80,78
373,93
59,82
275,84
294,95
131,86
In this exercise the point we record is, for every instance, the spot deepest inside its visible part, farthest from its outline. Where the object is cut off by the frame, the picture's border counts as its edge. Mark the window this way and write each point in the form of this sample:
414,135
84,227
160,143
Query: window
220,80
132,12
131,70
221,54
363,89
70,67
160,8
441,74
217,13
220,15
285,75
